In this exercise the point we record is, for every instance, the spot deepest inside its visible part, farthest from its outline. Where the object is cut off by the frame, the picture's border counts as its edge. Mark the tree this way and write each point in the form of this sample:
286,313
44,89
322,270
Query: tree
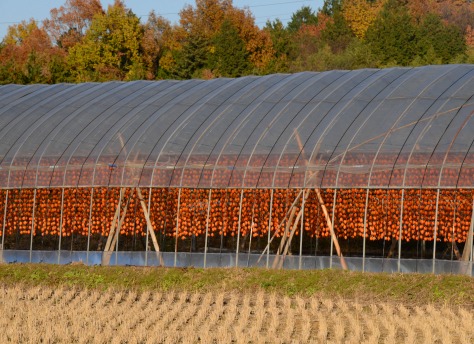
304,15
69,23
393,37
27,56
230,54
446,40
110,49
360,14
156,31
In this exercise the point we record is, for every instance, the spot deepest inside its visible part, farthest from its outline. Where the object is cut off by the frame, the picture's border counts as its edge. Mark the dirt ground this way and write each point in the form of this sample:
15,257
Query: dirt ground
70,315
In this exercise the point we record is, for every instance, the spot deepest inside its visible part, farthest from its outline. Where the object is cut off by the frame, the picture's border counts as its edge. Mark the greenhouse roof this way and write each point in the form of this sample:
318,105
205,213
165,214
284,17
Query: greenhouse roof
369,128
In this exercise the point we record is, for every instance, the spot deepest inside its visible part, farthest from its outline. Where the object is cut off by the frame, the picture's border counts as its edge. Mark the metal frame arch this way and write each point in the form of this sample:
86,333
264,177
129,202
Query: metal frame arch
81,136
429,120
330,125
187,113
131,118
310,112
229,84
468,118
441,136
247,88
52,134
247,113
310,83
462,163
265,131
234,120
22,100
17,92
21,139
106,114
152,120
384,73
391,130
397,81
281,85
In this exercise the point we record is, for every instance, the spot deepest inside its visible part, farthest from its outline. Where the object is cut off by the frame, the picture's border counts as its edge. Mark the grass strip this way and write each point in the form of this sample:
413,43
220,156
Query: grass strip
411,289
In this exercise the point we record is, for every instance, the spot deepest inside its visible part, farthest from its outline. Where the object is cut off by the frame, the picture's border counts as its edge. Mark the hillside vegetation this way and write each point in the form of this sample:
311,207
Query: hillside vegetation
81,41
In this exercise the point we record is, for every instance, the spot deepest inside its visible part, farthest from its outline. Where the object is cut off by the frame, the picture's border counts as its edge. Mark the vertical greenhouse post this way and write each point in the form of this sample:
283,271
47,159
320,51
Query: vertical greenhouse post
89,226
177,228
365,229
400,232
238,229
147,228
301,229
32,224
435,234
269,227
332,238
207,226
61,225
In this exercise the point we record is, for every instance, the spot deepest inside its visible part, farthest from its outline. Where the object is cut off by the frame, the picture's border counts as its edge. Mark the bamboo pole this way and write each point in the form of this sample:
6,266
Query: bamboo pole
467,252
150,228
331,229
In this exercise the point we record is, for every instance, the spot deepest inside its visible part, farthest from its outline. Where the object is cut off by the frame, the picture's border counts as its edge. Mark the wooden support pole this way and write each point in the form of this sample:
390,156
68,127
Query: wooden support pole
150,227
467,252
276,261
4,223
278,228
331,229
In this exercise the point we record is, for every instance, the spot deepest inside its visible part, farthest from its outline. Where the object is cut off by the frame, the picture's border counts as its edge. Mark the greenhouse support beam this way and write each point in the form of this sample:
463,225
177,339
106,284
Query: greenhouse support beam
301,229
331,251
400,232
61,225
269,228
149,226
468,249
365,229
435,234
110,238
177,229
32,225
238,229
4,222
89,227
279,226
147,229
207,226
331,229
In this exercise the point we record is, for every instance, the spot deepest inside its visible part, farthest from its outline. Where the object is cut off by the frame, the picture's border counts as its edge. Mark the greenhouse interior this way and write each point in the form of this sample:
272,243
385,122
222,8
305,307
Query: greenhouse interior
368,170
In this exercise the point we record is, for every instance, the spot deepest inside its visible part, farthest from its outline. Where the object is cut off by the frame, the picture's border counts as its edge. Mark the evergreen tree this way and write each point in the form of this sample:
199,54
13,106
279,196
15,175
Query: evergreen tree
230,55
305,15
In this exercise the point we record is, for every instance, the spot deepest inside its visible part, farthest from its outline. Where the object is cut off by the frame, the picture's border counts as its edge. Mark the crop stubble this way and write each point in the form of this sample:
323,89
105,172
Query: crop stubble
67,315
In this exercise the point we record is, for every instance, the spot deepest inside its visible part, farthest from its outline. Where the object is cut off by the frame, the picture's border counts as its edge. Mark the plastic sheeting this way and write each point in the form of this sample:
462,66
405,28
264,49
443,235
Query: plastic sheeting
390,128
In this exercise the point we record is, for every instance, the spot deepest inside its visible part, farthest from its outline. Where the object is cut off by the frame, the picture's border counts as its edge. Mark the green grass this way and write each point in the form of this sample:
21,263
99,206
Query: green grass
365,287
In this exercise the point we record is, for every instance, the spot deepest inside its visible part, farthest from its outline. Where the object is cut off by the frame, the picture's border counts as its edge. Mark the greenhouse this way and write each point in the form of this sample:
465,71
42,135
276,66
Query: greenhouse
369,170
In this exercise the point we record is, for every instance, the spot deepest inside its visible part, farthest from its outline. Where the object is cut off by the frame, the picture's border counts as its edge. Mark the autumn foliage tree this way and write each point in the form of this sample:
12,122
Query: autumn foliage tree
81,41
110,49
